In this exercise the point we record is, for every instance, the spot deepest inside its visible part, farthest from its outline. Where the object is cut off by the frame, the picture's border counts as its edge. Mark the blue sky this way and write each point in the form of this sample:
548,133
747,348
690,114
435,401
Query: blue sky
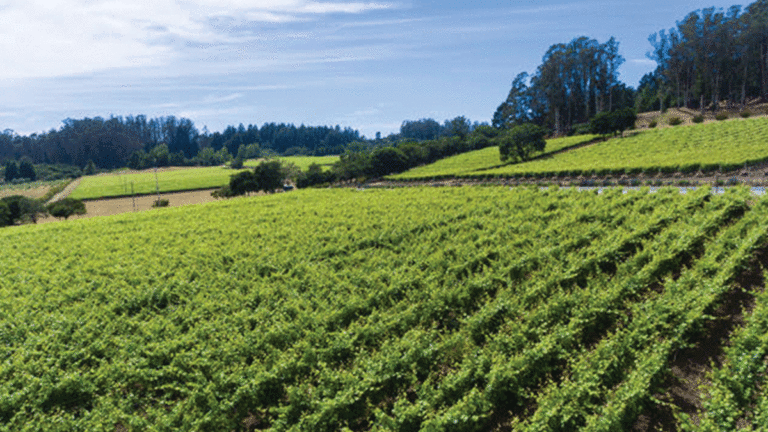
368,65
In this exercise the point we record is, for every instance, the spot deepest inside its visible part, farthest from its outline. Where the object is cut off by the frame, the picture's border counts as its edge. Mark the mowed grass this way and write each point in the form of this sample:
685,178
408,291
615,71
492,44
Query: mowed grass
722,145
482,159
142,183
303,162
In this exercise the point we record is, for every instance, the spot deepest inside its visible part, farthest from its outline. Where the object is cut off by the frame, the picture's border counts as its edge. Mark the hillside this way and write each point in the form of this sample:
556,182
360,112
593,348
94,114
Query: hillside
725,146
466,163
410,309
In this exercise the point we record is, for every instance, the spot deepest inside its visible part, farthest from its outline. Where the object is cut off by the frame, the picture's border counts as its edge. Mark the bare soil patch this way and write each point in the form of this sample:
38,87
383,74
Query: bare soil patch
113,206
29,192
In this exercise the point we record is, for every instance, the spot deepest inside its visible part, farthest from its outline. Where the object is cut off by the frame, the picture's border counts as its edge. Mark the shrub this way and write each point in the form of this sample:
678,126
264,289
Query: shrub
161,202
745,114
521,141
66,208
674,121
652,124
721,116
698,119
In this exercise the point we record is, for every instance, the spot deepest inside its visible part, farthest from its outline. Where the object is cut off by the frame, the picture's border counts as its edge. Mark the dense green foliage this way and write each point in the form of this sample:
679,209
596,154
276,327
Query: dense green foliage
522,141
23,171
575,81
608,123
140,142
483,159
66,207
416,309
710,56
265,177
723,145
20,209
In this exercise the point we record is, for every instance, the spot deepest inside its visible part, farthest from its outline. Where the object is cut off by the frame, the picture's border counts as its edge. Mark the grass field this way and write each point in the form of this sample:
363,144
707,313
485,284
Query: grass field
142,183
303,162
436,309
32,189
478,160
728,145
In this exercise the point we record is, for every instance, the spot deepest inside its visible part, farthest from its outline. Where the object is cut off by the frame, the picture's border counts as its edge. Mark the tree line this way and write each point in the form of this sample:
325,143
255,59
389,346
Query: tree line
712,56
575,81
139,141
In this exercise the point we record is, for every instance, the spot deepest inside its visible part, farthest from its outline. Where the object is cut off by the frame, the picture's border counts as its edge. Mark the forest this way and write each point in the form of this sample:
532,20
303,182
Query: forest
711,57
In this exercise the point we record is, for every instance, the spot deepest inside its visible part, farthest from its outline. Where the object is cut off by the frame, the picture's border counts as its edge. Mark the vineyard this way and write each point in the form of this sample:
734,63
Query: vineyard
302,162
708,147
478,160
144,182
726,146
434,309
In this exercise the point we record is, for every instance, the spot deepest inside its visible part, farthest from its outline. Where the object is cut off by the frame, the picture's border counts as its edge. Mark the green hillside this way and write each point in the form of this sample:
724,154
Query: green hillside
728,145
710,146
413,309
466,163
303,162
117,184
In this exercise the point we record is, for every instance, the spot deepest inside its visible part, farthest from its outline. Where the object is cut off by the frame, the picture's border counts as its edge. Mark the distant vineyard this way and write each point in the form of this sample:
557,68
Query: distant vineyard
467,309
302,162
708,147
142,183
478,160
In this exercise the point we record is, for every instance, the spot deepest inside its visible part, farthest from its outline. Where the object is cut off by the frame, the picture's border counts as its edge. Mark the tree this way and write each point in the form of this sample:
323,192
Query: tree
90,168
602,124
521,142
624,119
607,123
5,215
11,171
388,160
314,176
269,175
516,109
21,208
66,207
424,129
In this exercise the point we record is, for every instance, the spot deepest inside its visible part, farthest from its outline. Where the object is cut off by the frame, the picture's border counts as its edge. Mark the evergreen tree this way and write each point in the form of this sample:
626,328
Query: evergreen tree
11,170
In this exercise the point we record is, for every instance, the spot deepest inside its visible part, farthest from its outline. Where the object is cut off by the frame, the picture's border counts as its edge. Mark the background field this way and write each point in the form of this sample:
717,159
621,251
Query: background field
489,157
303,162
729,144
170,180
412,309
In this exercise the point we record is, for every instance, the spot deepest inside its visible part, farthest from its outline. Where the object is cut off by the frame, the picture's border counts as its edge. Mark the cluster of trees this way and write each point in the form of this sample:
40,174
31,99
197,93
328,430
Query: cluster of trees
23,171
430,129
267,176
575,81
17,209
142,142
286,139
711,56
375,161
613,122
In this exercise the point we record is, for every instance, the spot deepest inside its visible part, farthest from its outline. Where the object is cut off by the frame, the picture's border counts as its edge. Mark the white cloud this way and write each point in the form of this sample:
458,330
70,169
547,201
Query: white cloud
41,38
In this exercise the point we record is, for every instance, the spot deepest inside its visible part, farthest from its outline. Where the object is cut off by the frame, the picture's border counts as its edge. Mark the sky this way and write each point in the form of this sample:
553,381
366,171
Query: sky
368,65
